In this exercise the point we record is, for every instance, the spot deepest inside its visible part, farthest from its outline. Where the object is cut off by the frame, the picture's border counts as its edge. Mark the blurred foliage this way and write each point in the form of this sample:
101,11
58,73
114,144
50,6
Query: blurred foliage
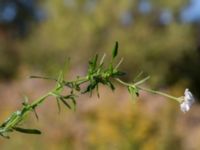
132,131
8,67
91,26
86,27
16,18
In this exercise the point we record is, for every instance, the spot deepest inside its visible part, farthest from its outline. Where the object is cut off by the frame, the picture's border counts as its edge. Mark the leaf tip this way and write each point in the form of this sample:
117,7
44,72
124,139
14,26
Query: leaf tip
115,50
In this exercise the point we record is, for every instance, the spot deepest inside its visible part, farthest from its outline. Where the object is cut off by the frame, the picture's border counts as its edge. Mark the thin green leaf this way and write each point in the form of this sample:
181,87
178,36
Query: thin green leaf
90,87
74,103
27,131
120,62
142,81
102,59
40,77
9,119
134,92
115,50
60,77
95,61
110,85
36,115
93,64
129,90
58,104
66,65
65,103
59,82
138,76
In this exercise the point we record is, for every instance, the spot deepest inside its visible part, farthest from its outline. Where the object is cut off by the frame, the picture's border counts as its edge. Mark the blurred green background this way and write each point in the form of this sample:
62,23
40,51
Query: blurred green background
161,38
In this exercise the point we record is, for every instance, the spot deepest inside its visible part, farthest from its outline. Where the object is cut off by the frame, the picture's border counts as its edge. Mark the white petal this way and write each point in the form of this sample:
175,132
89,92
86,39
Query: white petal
188,96
185,107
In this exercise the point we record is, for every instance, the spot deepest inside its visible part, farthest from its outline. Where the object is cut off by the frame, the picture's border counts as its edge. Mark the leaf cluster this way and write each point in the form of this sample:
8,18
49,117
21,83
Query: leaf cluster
99,74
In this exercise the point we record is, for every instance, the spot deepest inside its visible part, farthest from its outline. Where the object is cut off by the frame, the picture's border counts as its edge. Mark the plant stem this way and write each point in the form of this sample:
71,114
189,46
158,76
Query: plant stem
40,100
123,83
149,90
18,117
161,93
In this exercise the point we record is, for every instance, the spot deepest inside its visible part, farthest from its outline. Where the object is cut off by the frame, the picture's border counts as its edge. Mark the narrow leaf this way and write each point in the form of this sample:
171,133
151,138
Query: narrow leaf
138,76
93,64
60,82
27,131
117,66
111,85
65,103
58,104
134,92
142,81
66,65
95,61
102,59
74,103
60,77
36,115
40,77
115,50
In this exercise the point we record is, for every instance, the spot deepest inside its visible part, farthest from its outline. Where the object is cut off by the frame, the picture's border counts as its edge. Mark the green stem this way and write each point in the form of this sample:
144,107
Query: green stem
123,83
40,100
79,80
161,93
18,117
12,123
149,90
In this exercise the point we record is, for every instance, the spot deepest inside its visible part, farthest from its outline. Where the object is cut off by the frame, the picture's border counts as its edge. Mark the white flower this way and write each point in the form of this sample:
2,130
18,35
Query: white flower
188,101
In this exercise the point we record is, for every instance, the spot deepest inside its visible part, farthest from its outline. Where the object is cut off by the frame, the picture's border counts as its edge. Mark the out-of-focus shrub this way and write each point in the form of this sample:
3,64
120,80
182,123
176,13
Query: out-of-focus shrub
150,41
16,18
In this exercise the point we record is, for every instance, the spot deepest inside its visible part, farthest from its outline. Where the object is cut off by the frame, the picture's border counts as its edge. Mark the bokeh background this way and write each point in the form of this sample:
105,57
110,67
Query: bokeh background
161,38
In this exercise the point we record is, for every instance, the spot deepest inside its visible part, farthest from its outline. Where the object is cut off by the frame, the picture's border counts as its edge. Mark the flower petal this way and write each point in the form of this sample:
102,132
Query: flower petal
185,107
188,96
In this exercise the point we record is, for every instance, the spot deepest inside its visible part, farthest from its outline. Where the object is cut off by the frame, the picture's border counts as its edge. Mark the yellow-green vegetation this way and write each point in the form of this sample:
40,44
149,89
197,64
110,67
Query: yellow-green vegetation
70,30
